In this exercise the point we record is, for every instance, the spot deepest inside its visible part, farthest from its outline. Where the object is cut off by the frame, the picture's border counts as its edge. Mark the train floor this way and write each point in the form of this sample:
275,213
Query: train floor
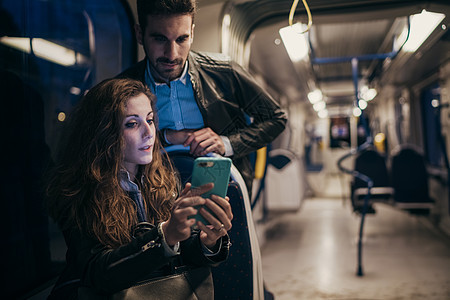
312,254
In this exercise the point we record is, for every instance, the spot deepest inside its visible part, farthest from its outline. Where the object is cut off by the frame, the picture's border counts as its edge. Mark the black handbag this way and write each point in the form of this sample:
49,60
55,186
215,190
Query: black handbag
192,284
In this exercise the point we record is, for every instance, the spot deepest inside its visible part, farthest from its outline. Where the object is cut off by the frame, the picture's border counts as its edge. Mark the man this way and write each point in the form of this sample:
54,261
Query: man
202,100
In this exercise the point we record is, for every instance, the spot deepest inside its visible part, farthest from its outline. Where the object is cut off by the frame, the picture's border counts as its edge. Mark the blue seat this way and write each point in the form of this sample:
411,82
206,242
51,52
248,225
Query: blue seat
233,279
410,180
372,164
184,163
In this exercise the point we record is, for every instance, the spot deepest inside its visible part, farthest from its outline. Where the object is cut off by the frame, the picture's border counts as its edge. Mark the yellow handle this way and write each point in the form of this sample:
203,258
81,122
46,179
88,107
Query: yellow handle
260,163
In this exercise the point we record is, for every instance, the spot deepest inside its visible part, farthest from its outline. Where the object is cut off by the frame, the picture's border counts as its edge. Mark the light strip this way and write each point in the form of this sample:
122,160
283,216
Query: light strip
422,25
226,34
44,49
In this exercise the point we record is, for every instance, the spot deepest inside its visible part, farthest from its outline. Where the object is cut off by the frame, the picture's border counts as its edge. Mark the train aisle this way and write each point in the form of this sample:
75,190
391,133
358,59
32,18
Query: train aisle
313,255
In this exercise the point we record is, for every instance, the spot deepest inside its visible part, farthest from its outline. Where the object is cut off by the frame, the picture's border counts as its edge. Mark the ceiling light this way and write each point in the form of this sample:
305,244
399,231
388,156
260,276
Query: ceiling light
226,33
44,49
435,103
323,114
319,106
362,104
356,111
370,94
295,41
315,96
421,26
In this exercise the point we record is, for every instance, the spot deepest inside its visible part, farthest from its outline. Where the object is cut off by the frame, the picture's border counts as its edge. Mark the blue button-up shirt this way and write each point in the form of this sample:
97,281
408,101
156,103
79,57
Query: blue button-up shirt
176,105
177,108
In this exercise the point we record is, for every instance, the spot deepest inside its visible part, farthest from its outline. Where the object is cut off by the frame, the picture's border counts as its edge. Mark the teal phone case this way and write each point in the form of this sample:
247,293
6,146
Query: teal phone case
211,169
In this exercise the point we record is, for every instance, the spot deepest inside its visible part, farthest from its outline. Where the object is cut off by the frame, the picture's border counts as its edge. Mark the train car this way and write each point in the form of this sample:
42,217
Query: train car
350,201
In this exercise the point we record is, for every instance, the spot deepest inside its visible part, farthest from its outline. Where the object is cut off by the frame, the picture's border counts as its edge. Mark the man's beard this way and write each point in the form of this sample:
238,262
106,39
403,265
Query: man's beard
168,75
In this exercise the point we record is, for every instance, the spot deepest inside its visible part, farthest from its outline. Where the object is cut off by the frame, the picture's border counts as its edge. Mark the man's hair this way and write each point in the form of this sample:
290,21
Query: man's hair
164,7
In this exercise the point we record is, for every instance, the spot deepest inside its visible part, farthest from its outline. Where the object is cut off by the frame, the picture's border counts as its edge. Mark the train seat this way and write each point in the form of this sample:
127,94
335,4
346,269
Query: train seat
184,164
410,180
285,189
240,276
372,164
233,279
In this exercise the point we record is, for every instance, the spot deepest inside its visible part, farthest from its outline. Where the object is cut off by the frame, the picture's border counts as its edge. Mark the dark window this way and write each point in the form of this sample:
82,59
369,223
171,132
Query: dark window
51,53
431,99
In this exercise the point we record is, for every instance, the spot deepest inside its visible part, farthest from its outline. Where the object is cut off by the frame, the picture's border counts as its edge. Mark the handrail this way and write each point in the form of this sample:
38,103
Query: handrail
369,181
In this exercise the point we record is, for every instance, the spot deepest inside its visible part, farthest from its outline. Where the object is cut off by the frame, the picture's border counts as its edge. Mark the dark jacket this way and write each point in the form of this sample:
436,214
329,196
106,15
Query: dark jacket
225,94
107,270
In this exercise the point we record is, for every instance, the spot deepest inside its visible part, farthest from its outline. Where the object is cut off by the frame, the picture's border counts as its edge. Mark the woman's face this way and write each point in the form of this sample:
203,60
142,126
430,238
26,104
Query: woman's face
139,133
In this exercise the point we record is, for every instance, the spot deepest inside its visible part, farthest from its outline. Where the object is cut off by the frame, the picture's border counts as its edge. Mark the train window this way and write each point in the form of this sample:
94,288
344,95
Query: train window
430,99
51,53
339,132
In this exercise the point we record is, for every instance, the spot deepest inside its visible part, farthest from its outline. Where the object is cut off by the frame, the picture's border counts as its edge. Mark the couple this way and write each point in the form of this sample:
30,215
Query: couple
113,193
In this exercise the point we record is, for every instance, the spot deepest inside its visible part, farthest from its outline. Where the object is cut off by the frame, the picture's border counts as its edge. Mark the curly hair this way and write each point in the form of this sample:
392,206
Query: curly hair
84,190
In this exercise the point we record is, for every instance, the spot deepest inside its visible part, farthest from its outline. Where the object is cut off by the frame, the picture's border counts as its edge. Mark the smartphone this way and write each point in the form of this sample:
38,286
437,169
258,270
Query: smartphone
215,170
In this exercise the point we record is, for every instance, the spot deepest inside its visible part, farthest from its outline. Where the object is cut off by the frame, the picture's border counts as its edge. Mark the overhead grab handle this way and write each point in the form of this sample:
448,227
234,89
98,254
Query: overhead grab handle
308,12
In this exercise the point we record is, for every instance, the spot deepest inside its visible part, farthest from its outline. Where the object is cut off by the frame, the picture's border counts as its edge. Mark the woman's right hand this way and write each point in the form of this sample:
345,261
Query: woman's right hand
178,227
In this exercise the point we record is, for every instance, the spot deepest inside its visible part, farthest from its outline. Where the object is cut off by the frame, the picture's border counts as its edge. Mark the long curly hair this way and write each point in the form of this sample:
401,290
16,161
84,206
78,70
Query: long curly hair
83,189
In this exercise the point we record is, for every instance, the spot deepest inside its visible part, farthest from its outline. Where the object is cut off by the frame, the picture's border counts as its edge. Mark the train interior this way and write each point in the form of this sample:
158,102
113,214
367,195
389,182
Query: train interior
351,201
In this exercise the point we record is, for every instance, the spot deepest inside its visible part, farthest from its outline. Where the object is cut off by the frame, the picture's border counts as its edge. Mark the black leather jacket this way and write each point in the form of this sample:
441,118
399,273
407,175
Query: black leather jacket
225,93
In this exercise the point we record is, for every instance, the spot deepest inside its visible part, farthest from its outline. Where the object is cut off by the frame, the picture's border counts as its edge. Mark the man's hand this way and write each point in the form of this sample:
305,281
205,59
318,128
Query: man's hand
204,141
201,141
177,137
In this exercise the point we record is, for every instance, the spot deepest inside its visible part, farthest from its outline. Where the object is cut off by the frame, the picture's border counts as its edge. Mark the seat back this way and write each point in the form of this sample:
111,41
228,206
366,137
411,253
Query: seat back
372,164
233,279
184,164
284,185
409,177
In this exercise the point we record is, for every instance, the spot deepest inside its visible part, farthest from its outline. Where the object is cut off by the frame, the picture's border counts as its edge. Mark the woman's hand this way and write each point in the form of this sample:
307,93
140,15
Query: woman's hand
220,224
178,227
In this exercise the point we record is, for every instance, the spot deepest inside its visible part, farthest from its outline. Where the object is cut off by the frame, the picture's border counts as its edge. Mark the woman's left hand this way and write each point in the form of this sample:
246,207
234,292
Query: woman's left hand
220,224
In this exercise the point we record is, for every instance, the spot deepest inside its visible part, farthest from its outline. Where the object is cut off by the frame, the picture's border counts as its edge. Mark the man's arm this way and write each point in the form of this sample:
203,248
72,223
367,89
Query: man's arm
201,141
268,119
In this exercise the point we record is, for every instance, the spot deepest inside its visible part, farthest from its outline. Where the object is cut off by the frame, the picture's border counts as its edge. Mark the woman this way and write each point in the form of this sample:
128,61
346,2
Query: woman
114,195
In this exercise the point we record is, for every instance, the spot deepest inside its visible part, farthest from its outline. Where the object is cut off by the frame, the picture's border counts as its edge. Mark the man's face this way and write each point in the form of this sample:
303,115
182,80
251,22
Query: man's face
167,41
